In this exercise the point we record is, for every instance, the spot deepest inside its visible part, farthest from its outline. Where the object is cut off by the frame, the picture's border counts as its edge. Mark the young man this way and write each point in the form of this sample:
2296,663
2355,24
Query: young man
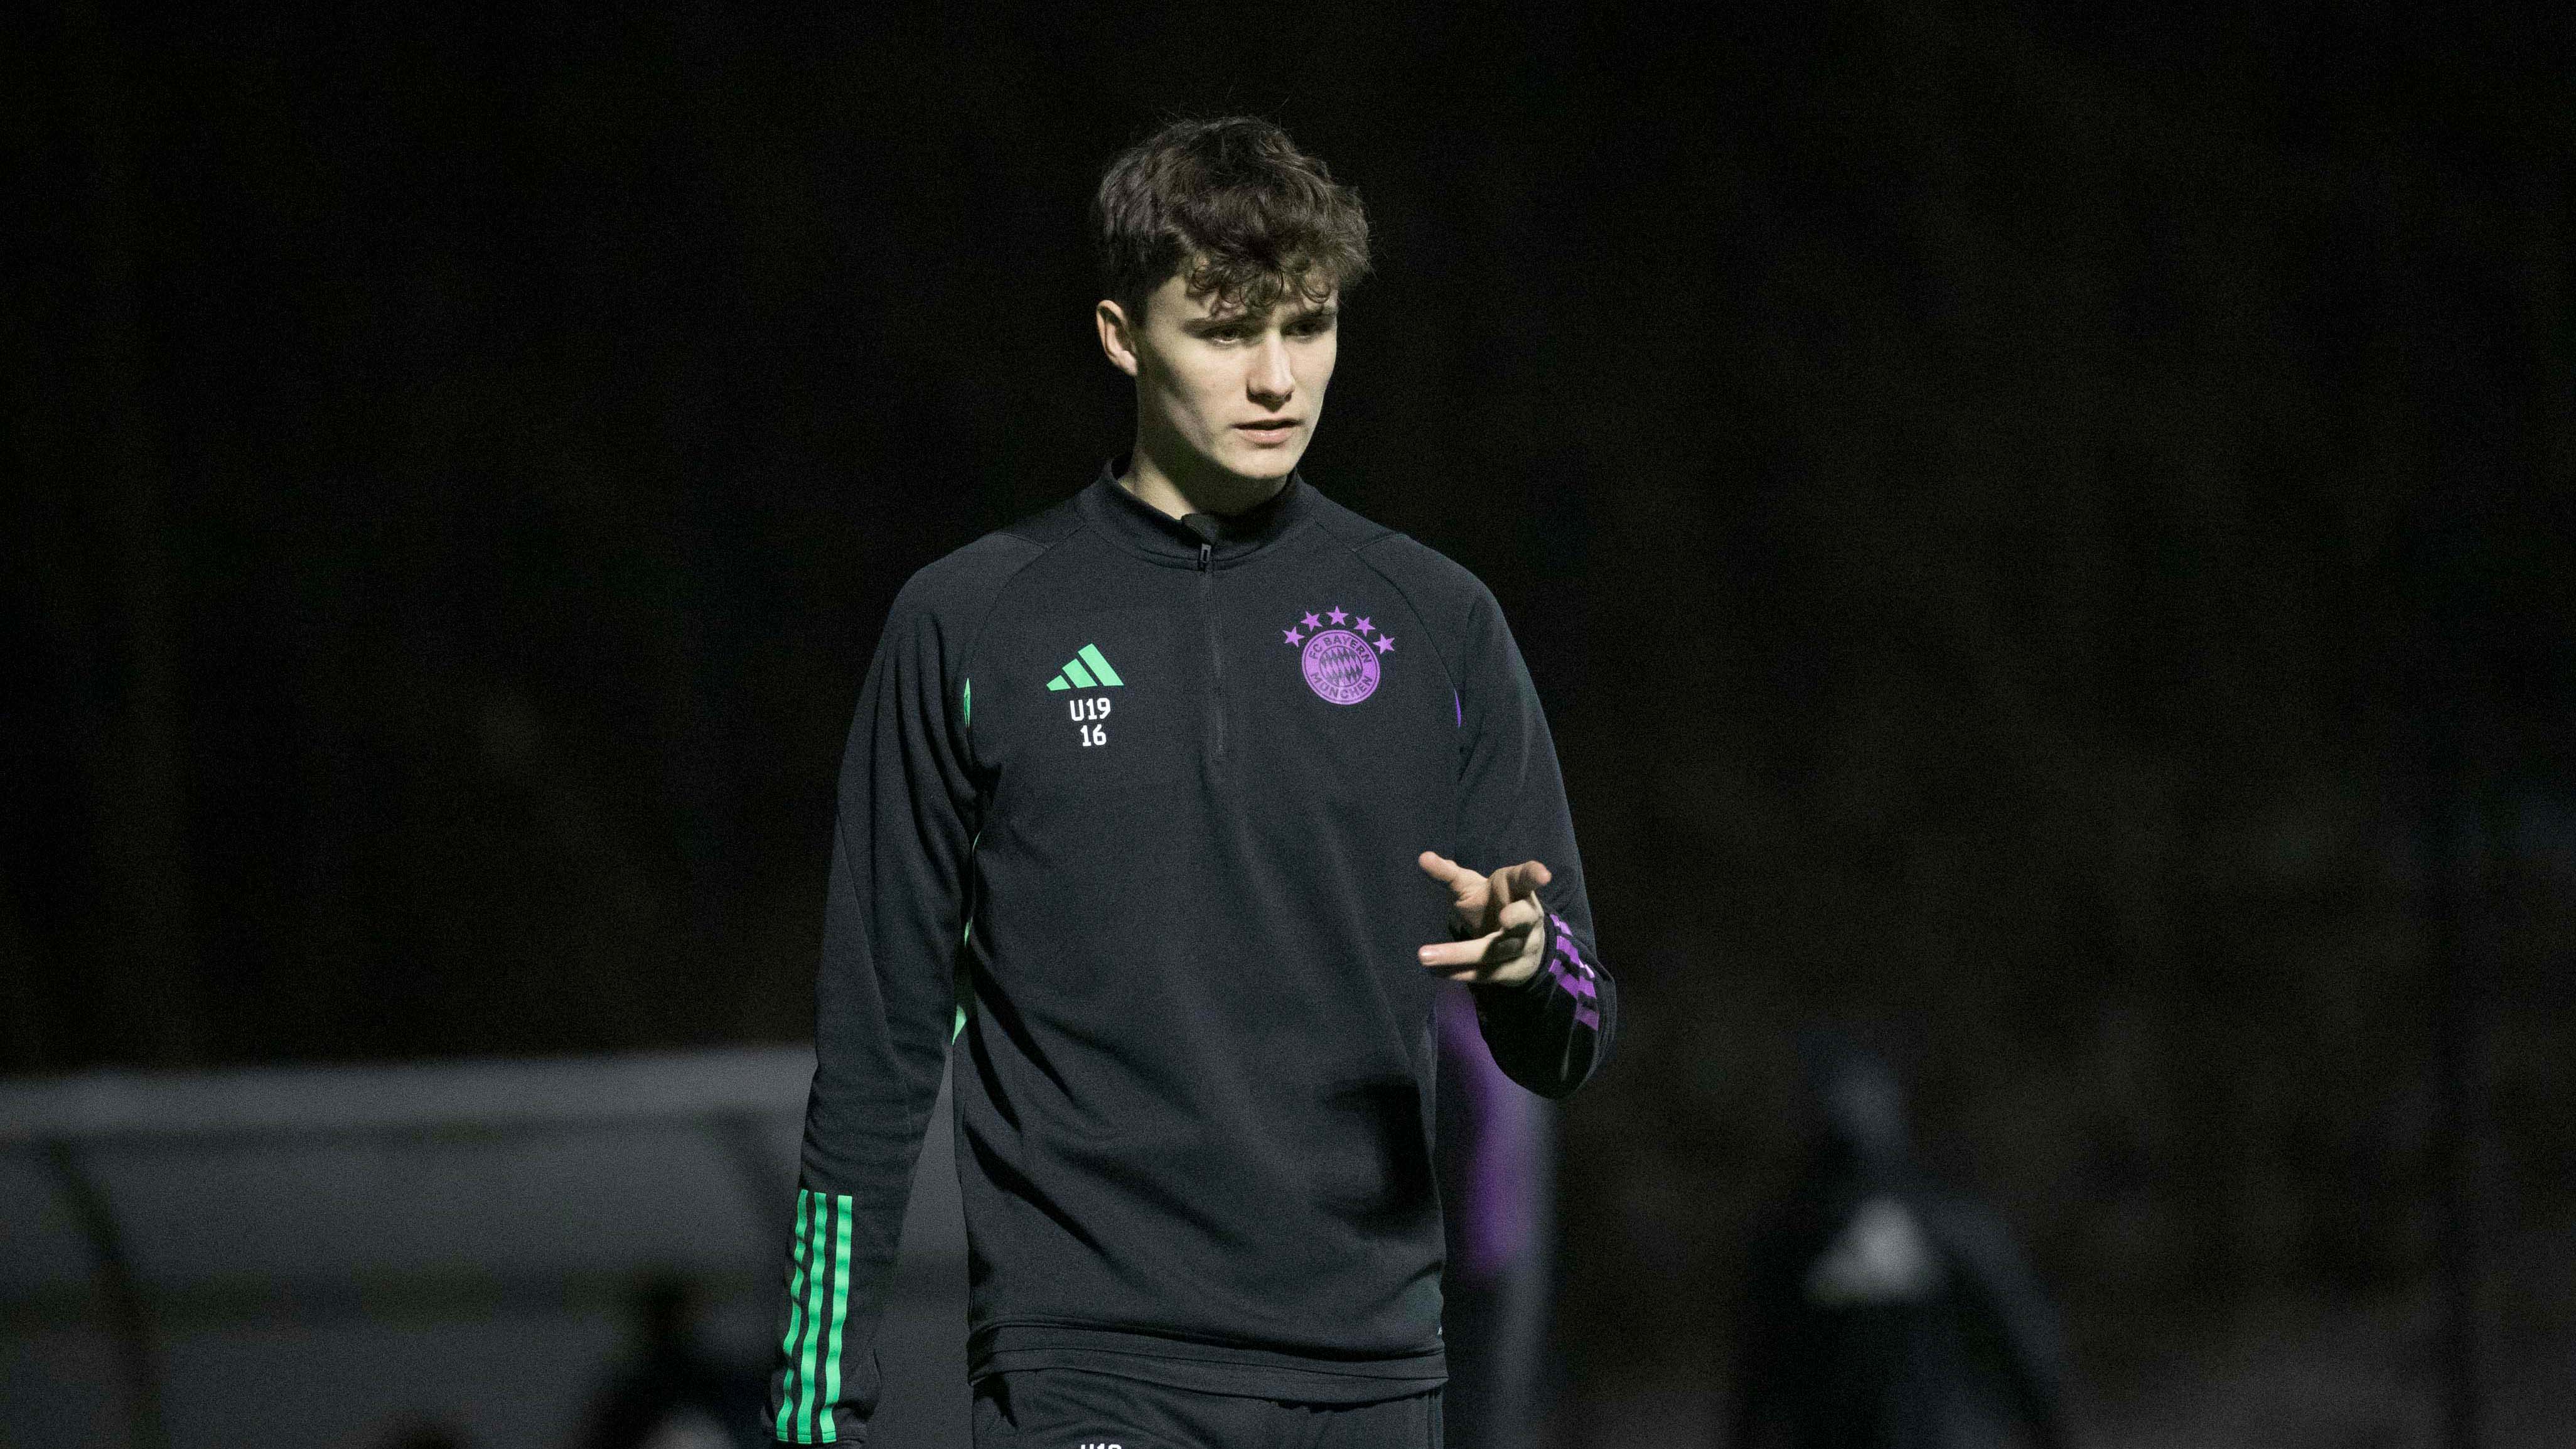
1185,795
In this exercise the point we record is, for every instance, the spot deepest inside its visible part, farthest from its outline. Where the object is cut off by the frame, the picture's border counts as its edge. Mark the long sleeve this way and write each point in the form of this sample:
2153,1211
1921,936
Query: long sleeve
883,1001
1552,1031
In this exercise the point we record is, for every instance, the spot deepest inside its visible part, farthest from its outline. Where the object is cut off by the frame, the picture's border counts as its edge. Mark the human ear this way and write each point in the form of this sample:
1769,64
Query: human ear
1116,338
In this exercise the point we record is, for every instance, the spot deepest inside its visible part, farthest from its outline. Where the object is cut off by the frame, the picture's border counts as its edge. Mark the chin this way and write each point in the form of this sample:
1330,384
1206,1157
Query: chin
1265,464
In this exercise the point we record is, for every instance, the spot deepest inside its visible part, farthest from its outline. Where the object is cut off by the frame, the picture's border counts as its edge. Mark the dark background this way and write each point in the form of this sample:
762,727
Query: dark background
2044,534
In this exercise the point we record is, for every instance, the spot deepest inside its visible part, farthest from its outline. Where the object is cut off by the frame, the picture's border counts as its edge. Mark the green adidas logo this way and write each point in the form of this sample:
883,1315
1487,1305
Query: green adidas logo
1086,670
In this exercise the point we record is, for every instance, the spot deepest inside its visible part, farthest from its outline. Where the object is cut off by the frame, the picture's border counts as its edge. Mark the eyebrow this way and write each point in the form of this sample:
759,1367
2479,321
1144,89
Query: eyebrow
1326,312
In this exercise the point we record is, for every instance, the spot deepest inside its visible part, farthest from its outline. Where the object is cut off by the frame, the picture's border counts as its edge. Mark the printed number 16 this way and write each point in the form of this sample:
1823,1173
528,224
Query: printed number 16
1094,734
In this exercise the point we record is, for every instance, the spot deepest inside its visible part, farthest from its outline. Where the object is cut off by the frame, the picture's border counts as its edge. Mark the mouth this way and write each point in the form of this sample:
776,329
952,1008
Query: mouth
1268,430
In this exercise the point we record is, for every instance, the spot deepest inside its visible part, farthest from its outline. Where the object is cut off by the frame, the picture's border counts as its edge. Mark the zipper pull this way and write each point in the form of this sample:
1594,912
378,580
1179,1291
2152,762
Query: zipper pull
1203,557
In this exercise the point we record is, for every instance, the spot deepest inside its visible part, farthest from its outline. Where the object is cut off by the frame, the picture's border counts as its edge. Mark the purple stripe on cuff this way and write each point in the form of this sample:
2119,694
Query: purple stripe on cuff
1586,1016
1579,985
1565,943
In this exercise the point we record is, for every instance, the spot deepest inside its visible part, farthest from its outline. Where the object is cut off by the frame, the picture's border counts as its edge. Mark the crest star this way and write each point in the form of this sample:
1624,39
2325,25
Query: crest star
1291,633
1337,616
1365,625
1385,643
1311,622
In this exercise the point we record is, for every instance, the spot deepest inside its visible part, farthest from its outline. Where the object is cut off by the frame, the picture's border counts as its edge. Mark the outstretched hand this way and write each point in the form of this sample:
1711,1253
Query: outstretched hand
1497,918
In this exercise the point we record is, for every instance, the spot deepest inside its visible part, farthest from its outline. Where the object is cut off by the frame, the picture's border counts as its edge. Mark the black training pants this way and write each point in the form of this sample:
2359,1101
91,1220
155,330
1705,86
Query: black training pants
1073,1409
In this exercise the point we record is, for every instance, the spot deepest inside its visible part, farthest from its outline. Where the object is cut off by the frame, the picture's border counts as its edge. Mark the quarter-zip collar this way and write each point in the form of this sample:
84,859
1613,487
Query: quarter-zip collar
1141,528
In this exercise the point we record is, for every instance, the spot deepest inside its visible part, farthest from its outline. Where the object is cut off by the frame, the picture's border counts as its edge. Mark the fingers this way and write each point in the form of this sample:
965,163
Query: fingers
1519,882
1504,903
1512,882
1462,882
1453,955
1462,959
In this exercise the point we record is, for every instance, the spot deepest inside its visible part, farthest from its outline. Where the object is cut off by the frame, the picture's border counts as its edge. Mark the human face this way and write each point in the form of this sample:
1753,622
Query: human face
1224,390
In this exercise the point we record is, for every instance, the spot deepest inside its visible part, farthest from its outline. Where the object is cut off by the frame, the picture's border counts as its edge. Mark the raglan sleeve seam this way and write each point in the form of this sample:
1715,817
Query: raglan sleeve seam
1451,669
972,647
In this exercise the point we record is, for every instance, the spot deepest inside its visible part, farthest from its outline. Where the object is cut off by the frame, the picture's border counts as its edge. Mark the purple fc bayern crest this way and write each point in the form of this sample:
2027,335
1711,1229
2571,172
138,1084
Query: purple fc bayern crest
1342,663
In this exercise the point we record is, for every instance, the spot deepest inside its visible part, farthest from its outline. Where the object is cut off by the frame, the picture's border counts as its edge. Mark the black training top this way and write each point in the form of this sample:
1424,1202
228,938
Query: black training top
1141,802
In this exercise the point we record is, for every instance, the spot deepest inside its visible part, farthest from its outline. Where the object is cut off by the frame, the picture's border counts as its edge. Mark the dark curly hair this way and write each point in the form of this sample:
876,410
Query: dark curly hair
1232,206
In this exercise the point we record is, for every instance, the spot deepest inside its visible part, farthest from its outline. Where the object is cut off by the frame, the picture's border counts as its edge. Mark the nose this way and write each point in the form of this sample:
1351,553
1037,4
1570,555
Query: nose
1270,382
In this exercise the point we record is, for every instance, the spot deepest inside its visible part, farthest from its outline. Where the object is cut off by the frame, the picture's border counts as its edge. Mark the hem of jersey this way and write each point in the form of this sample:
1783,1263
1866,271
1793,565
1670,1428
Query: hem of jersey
1203,1367
984,620
1197,1377
849,1434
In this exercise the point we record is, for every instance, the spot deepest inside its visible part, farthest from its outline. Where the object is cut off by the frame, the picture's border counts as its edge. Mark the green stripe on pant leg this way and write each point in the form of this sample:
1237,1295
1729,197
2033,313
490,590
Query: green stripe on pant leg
832,1339
802,1261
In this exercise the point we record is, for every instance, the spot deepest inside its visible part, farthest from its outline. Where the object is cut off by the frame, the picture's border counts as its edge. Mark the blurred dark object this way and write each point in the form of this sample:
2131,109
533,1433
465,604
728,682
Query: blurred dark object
672,1394
1496,1156
204,1259
1881,1309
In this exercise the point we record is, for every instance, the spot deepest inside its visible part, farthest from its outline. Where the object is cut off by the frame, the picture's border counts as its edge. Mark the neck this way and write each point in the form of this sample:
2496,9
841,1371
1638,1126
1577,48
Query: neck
1177,488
